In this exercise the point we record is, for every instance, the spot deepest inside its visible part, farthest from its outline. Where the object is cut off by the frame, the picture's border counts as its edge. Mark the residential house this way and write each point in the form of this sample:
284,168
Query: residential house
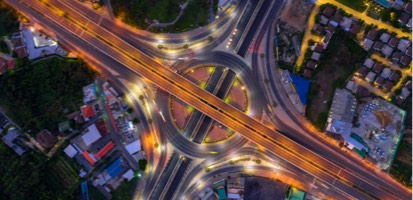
330,29
408,51
387,50
378,67
311,64
409,23
370,77
323,20
76,116
362,72
335,20
384,37
345,23
367,43
307,73
403,44
3,65
319,29
398,4
385,3
317,48
368,63
328,11
46,138
315,56
395,77
408,85
378,46
87,112
362,91
355,29
388,85
394,42
379,81
404,18
405,60
408,7
397,56
386,72
326,39
372,34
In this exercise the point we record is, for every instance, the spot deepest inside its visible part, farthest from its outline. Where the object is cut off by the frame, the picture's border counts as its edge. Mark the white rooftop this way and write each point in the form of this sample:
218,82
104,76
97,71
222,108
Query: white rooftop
134,147
128,175
91,136
70,151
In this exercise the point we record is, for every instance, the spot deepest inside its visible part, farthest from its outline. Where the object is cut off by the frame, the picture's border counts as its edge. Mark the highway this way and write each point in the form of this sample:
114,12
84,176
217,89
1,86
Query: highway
215,108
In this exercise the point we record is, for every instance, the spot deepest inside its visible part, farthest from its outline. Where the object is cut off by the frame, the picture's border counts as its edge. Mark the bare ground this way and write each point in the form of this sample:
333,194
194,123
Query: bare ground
295,13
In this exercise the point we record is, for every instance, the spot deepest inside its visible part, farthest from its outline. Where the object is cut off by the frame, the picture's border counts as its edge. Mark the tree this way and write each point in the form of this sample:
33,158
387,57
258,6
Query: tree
149,120
142,164
141,97
160,46
136,121
185,46
129,110
210,38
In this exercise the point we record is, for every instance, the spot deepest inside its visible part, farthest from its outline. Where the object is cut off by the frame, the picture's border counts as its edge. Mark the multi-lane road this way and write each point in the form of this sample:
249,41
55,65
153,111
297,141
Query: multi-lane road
72,24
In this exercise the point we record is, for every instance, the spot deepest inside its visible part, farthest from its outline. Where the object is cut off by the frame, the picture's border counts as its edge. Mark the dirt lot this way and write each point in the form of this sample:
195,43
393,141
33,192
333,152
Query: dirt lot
337,63
295,13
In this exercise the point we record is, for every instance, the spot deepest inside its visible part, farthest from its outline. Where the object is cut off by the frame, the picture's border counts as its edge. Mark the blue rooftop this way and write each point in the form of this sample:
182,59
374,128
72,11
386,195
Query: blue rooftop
384,3
301,86
115,168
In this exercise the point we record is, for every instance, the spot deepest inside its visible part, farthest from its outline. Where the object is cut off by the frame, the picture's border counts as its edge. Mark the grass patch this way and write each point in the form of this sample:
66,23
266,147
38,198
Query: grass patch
357,5
35,95
94,193
125,190
401,168
337,63
140,13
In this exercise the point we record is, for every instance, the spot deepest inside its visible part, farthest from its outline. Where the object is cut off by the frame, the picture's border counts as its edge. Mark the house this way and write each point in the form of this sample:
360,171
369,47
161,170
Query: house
326,39
404,18
378,46
403,44
91,136
379,81
317,48
307,73
408,85
408,7
87,111
3,65
343,106
315,56
384,37
21,52
372,34
409,23
323,20
319,29
64,126
362,91
368,63
76,116
394,42
388,85
11,139
355,29
405,60
396,56
395,77
362,72
345,23
367,43
46,139
377,68
328,11
335,20
399,100
398,4
370,77
408,51
387,50
386,73
330,29
311,64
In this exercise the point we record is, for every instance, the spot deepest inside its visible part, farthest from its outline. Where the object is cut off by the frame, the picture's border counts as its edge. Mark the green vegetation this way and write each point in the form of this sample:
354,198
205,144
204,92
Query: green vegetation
8,19
94,193
4,48
142,164
140,13
337,63
357,5
136,121
35,95
125,190
401,168
34,176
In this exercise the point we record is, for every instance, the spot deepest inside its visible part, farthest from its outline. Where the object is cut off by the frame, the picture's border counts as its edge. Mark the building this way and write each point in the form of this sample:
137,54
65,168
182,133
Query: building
355,29
311,64
405,60
384,37
315,56
46,138
368,63
345,23
362,72
372,34
385,3
396,56
295,194
328,11
378,67
367,43
88,111
395,76
70,151
387,50
394,42
92,135
370,77
307,73
379,81
386,72
317,48
76,116
343,105
134,147
378,46
13,140
403,44
388,85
